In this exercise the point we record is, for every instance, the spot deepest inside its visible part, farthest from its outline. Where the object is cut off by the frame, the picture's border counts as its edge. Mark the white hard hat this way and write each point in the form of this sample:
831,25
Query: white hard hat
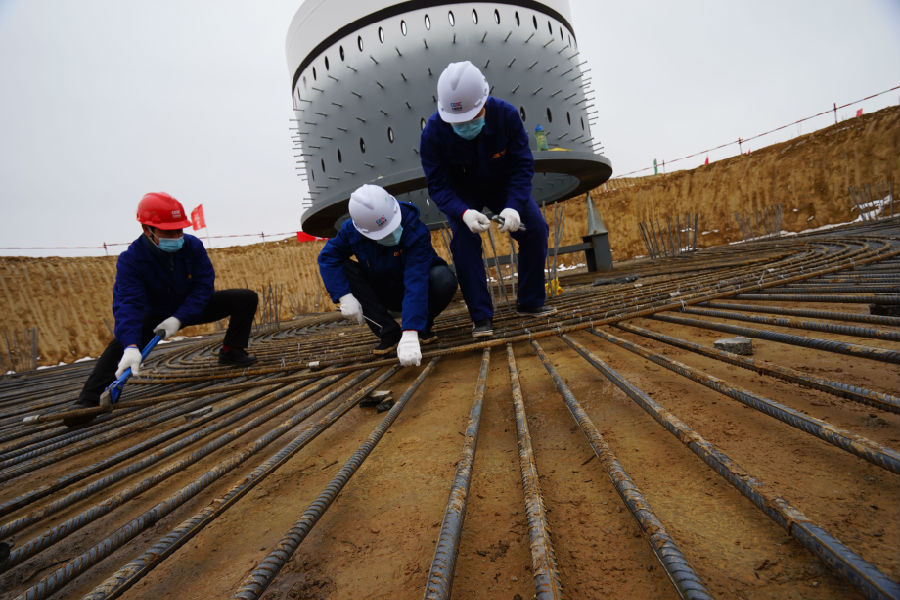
462,91
374,212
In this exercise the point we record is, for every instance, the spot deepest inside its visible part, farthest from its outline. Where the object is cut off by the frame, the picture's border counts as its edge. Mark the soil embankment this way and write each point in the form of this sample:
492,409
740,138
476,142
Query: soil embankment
69,300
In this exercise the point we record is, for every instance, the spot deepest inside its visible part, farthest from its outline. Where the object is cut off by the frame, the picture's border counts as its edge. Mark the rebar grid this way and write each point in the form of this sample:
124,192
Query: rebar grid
185,400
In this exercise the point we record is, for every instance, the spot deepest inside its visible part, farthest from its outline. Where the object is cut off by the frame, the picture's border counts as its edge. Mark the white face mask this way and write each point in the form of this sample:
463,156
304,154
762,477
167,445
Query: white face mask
393,238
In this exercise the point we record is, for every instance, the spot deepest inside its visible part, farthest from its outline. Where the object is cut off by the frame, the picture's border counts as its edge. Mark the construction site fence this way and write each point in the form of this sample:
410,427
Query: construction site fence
627,179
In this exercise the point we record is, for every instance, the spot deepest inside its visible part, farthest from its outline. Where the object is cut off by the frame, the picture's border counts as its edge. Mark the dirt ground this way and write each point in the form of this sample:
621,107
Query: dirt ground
378,539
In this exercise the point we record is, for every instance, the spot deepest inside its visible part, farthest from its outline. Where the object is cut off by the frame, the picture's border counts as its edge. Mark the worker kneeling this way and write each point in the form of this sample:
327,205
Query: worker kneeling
164,281
395,269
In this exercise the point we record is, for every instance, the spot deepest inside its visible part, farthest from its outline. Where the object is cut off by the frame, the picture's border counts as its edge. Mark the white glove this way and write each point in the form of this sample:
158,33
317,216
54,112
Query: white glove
131,359
511,220
351,309
475,221
408,350
170,327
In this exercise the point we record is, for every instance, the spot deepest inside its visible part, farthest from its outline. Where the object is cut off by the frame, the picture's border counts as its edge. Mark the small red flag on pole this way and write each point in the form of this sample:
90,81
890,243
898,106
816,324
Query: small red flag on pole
859,113
197,220
706,162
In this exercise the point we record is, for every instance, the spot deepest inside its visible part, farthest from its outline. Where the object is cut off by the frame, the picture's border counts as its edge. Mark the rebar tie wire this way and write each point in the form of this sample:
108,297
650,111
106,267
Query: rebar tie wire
839,558
443,564
686,581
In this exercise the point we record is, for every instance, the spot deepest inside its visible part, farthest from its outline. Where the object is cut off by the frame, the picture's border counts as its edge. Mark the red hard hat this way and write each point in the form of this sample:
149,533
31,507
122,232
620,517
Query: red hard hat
160,210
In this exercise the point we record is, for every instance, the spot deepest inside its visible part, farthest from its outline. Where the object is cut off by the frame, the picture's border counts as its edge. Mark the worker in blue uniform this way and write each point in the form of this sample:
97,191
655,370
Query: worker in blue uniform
164,281
396,269
475,154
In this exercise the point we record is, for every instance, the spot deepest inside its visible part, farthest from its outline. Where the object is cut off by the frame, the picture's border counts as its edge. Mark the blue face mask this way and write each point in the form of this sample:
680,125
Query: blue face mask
171,244
470,129
392,239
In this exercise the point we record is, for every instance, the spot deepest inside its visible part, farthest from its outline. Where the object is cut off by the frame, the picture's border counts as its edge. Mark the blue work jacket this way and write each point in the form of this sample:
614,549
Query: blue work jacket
151,283
407,264
495,169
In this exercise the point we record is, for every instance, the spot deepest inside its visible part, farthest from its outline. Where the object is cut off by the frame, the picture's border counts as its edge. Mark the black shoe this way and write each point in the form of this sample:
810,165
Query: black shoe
483,328
535,311
427,337
236,357
387,343
75,421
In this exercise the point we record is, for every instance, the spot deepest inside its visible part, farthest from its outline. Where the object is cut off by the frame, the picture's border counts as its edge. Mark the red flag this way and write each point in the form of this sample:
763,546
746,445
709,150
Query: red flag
859,113
706,162
302,236
197,221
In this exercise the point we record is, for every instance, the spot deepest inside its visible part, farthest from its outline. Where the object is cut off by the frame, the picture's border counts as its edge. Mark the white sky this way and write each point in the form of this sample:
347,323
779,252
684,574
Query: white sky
104,100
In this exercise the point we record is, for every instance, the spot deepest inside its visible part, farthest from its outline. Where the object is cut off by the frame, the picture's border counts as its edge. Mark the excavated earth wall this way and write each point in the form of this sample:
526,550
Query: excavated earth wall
69,300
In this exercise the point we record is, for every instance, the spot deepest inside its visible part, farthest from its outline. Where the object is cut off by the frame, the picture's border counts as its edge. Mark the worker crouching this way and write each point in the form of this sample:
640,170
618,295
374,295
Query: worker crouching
164,281
396,269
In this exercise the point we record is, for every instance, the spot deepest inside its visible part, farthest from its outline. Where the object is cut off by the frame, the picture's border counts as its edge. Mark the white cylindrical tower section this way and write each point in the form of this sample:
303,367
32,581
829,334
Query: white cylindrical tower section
363,85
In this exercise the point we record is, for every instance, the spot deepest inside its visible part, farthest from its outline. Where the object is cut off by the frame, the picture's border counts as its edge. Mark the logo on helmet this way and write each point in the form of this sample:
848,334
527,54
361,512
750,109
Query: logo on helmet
457,106
380,221
176,214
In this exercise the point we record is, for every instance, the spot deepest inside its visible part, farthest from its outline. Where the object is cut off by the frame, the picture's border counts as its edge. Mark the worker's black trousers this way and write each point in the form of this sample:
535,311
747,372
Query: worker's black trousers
379,296
240,305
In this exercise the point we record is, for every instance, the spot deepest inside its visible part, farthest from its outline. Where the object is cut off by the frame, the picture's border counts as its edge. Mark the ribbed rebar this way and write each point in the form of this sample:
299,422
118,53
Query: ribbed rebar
440,574
869,332
52,582
857,445
880,354
132,572
543,560
806,312
879,400
687,583
259,579
862,575
69,499
842,298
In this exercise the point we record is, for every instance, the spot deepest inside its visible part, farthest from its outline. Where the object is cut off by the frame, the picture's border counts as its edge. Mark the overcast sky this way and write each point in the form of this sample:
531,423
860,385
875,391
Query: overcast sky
104,100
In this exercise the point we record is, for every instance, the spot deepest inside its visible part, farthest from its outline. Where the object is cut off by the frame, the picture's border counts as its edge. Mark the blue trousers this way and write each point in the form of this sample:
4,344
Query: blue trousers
239,305
467,256
378,296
